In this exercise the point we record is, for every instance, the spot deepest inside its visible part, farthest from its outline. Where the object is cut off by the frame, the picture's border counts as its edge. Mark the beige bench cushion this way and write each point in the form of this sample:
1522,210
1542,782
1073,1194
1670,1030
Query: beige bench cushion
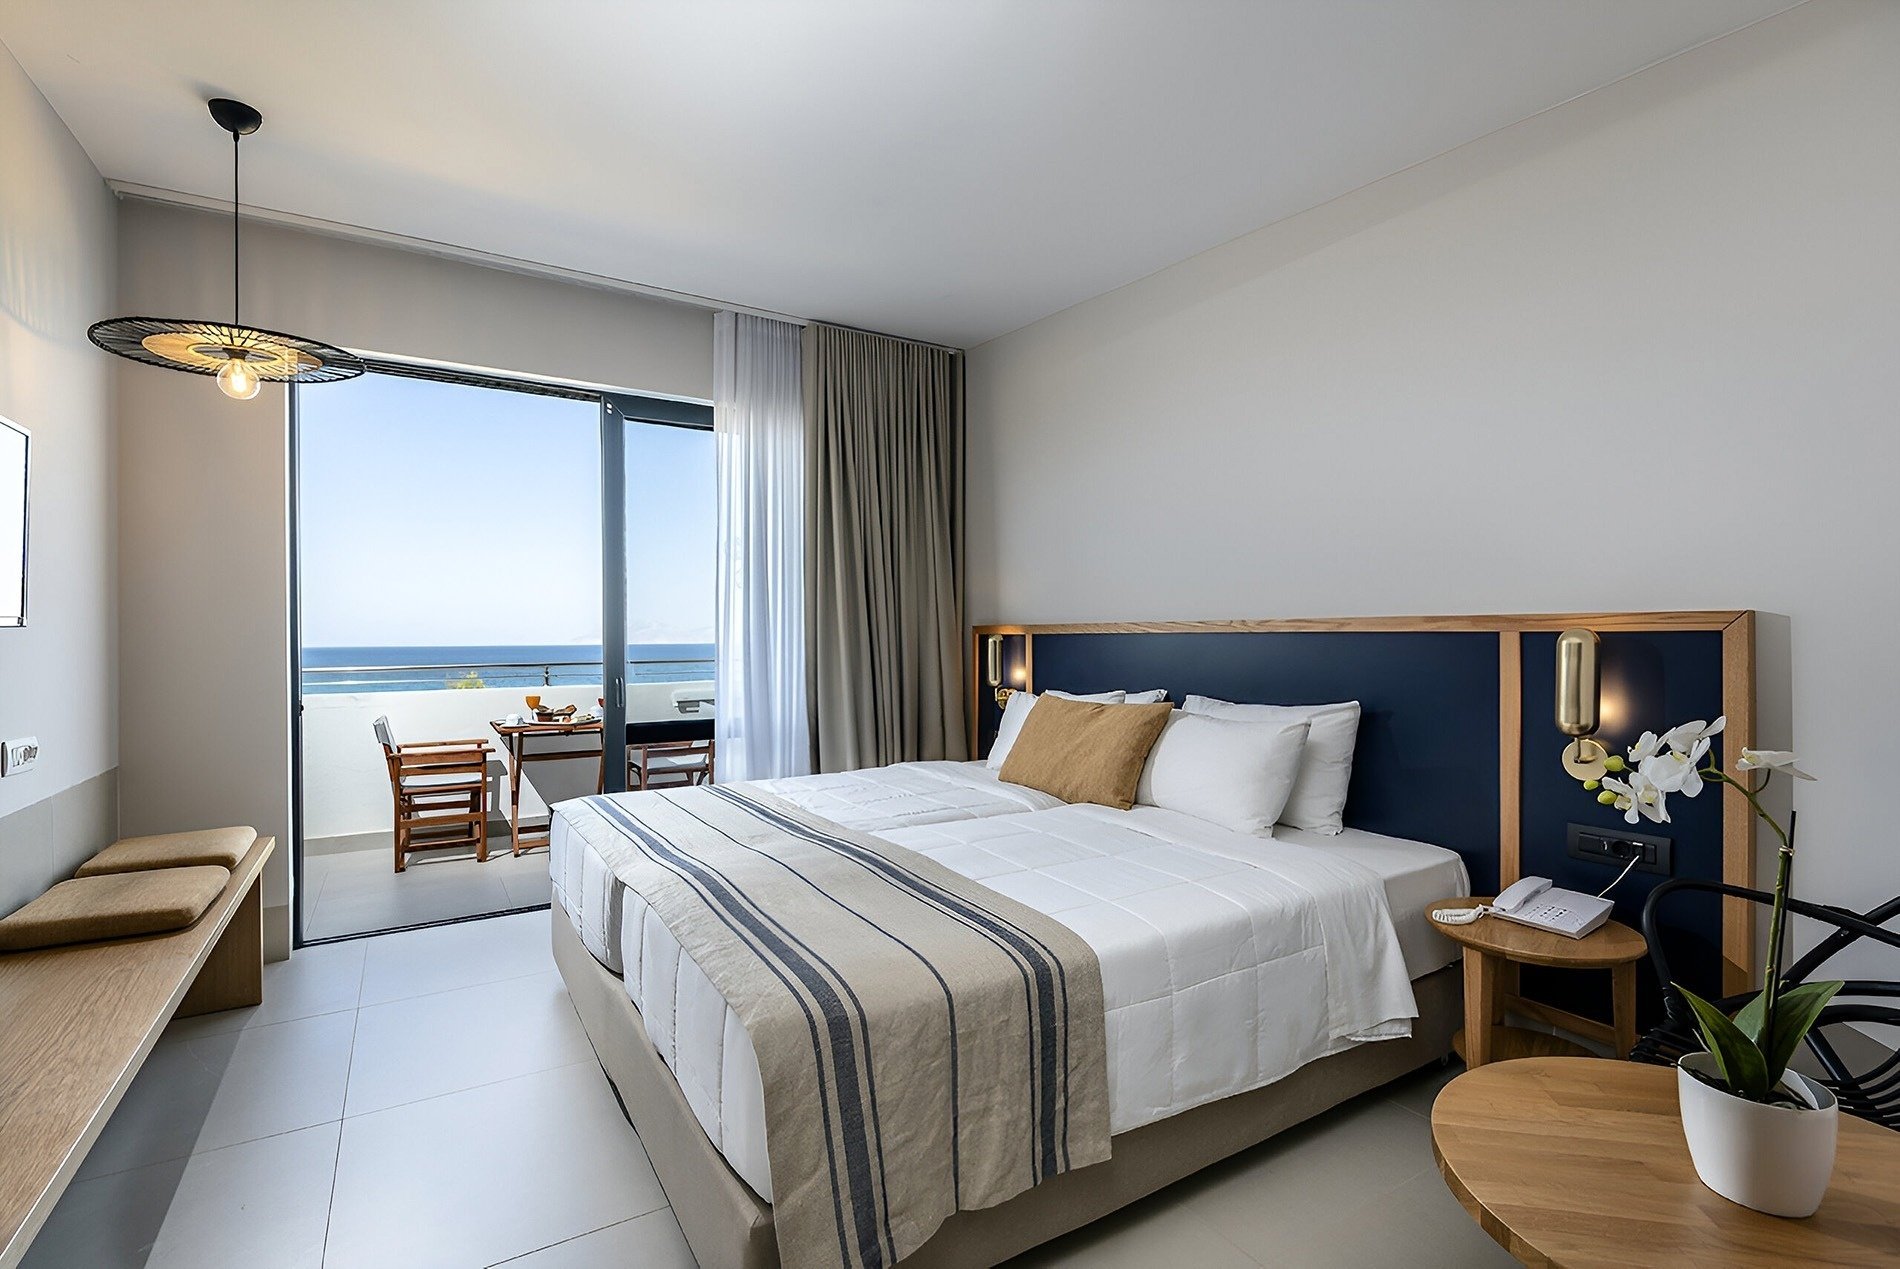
222,847
87,909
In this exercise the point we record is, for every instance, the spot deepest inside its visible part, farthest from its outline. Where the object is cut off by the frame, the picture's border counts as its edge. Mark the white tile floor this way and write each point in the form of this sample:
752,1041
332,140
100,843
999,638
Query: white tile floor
358,891
418,1099
1354,1189
429,1099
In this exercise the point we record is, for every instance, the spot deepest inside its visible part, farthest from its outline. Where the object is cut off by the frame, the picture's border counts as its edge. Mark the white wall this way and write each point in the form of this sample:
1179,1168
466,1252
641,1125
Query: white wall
1641,352
57,674
204,571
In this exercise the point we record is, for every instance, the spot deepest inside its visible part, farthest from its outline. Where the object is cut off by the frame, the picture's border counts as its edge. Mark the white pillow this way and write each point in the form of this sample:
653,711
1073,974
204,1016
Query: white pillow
1319,794
1020,703
1153,696
1232,773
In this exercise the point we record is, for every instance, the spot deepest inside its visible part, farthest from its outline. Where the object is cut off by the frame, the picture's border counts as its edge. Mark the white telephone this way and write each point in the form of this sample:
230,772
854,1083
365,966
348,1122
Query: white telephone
1540,905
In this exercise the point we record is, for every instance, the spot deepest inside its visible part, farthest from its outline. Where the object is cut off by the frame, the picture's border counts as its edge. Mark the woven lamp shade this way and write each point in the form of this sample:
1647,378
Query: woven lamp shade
201,348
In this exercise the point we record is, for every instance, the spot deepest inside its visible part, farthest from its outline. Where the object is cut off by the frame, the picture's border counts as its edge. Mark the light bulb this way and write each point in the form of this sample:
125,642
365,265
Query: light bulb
238,381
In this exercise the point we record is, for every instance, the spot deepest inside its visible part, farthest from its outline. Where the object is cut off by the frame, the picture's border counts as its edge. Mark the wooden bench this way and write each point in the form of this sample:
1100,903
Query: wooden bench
76,1023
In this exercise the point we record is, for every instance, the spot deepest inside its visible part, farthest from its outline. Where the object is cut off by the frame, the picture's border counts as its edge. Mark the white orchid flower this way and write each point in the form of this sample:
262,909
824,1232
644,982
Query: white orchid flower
1674,772
1782,760
1693,738
1638,797
1645,748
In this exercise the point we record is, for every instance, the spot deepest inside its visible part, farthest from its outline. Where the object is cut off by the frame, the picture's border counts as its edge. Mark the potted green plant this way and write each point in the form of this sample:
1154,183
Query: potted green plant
1759,1134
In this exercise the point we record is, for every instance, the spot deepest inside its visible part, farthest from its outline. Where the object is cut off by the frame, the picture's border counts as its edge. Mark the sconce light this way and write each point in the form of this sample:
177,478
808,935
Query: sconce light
993,667
1578,688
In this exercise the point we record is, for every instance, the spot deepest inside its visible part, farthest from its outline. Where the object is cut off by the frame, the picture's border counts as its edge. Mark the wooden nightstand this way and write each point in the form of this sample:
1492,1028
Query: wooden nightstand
1495,947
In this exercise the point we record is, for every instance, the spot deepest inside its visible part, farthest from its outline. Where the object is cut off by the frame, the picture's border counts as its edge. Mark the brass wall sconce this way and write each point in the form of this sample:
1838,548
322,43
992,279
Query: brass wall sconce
1578,703
993,669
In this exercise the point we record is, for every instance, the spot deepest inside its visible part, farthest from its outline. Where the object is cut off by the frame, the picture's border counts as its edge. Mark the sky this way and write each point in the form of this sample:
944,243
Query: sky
438,514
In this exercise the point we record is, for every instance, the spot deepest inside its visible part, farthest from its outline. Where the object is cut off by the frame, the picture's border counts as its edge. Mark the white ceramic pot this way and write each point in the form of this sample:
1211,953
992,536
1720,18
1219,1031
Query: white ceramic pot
1774,1159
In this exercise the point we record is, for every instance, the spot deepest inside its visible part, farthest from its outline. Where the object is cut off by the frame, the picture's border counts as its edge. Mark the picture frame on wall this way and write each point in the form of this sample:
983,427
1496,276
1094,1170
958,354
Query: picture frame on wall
16,445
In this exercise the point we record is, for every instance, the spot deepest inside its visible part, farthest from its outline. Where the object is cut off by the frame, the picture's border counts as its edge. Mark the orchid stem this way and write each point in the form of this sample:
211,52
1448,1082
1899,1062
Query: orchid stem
1771,988
1771,972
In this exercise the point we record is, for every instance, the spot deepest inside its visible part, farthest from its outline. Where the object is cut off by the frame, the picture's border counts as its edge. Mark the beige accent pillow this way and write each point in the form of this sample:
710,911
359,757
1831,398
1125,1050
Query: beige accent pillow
219,847
87,909
1020,703
1082,751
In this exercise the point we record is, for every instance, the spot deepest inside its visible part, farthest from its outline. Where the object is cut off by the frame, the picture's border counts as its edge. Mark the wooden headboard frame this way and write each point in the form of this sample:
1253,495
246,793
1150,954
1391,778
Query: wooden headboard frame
1737,628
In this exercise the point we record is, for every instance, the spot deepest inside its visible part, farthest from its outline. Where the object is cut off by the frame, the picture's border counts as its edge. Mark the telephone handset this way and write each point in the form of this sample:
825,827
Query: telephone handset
1540,905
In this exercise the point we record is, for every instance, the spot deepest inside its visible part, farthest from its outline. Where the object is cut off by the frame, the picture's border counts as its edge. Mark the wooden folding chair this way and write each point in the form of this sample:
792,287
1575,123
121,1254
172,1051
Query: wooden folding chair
669,764
440,792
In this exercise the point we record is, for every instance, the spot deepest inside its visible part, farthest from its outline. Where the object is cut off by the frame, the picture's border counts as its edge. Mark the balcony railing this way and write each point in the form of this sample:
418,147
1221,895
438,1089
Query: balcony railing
345,780
479,674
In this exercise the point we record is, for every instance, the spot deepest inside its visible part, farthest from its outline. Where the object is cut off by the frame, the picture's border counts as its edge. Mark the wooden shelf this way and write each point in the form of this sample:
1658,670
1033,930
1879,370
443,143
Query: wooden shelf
76,1023
1610,944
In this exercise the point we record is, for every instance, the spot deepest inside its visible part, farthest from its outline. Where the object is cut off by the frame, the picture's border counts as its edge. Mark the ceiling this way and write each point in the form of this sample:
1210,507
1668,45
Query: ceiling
947,170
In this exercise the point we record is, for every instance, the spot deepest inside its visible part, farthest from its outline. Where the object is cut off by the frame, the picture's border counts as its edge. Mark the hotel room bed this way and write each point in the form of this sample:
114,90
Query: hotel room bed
1229,963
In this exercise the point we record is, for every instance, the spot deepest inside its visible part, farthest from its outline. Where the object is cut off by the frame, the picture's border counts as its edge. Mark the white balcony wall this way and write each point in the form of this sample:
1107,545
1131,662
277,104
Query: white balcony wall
346,786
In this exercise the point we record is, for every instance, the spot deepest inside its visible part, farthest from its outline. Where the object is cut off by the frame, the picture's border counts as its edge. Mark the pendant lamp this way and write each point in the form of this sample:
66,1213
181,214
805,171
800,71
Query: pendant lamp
242,357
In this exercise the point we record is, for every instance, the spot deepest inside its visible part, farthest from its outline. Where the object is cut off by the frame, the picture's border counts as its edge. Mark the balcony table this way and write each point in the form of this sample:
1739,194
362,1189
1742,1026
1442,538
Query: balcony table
517,740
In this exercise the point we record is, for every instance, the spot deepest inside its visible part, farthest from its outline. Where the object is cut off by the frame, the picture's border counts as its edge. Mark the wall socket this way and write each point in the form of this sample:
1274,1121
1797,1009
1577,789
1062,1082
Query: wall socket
19,755
1614,849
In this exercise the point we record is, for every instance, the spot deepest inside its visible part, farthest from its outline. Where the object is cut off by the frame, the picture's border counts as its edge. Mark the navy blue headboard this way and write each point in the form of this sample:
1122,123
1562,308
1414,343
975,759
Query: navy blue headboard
1426,766
1457,743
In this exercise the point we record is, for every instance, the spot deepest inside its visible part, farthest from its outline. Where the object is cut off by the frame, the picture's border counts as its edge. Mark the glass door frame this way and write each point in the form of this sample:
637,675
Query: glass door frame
619,410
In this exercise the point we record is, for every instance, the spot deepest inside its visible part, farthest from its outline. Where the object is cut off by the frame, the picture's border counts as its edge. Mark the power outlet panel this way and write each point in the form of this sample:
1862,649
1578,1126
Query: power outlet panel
1615,849
19,755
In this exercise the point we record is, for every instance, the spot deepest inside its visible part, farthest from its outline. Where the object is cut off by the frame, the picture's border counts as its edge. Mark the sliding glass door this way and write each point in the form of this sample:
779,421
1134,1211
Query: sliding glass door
464,551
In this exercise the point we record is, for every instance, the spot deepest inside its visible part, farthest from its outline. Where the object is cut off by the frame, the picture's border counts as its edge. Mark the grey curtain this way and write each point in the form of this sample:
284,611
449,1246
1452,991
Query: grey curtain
884,571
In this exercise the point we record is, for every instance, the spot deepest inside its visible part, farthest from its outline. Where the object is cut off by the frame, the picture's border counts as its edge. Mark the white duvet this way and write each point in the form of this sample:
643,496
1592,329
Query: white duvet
1228,961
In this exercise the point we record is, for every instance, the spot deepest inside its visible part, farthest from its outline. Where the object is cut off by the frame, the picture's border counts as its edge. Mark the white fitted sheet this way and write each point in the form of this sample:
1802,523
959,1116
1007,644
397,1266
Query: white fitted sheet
1228,961
874,801
1416,875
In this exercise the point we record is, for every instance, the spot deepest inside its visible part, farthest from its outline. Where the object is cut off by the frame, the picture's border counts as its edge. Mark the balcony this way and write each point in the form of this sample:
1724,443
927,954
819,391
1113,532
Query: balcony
349,883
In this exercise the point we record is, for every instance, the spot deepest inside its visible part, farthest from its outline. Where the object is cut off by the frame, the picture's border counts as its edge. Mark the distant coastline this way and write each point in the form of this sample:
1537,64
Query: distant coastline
399,669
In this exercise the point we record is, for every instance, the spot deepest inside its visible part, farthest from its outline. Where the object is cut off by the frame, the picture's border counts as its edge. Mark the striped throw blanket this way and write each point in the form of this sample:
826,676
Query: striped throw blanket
925,1044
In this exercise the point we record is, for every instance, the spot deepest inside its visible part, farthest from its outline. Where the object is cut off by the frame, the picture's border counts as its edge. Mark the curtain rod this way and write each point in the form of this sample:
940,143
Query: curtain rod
902,339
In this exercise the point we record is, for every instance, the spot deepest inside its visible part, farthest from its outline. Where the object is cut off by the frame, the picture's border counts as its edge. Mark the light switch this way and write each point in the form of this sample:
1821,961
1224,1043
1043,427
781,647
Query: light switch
19,755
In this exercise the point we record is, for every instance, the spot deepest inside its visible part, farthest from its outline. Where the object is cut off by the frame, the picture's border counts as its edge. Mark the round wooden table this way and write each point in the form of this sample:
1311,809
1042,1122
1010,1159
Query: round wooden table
1581,1161
1495,947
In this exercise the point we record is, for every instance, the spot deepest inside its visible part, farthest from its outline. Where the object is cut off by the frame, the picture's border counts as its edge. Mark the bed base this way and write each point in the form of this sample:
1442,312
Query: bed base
730,1227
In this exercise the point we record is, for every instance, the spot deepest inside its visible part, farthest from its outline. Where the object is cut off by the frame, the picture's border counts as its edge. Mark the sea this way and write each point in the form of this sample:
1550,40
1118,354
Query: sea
410,669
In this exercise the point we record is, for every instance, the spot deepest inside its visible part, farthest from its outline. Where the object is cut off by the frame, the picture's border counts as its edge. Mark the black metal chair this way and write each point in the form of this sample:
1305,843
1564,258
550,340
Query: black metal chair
1872,1094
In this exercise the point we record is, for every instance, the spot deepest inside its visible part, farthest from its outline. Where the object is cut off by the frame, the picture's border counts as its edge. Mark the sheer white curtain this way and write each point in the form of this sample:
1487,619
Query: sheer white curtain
761,721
